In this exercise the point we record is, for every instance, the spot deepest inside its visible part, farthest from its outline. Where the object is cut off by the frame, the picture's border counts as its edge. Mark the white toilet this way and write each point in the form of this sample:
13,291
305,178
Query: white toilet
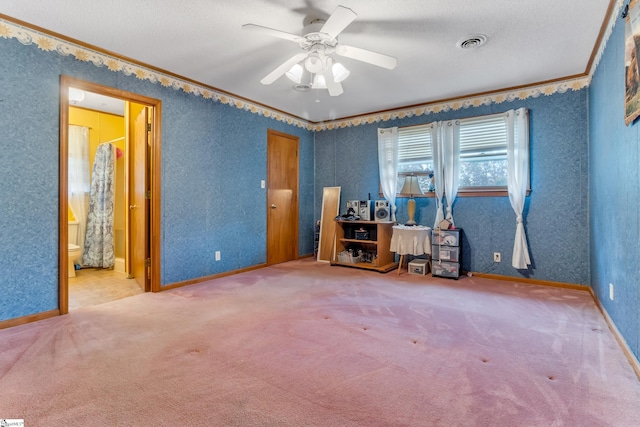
74,249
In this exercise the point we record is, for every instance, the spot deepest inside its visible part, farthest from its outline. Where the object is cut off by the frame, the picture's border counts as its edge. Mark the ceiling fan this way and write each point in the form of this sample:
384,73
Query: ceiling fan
318,40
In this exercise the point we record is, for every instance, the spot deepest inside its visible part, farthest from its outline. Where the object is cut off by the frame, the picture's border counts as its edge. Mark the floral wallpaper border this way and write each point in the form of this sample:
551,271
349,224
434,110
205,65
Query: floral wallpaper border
48,43
617,10
494,98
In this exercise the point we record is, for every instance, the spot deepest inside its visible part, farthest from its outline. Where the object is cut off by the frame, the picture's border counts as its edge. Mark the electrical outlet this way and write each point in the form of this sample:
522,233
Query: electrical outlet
263,184
217,255
611,291
496,257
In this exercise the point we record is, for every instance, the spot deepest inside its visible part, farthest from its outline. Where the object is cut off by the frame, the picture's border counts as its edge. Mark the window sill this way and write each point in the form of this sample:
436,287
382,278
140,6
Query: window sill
476,192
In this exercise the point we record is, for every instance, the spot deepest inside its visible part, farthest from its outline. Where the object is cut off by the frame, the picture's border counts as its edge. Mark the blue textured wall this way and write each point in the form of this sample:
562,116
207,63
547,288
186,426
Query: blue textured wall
556,217
615,193
209,150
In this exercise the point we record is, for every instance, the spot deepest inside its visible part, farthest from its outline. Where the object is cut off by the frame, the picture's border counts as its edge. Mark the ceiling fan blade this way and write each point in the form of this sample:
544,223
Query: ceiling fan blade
283,68
368,56
338,21
271,32
335,88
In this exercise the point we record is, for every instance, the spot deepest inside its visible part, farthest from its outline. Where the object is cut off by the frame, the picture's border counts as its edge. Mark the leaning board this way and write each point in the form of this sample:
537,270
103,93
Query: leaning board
330,209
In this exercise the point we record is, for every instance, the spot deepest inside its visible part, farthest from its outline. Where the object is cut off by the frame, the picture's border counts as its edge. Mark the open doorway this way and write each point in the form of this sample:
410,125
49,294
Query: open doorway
109,218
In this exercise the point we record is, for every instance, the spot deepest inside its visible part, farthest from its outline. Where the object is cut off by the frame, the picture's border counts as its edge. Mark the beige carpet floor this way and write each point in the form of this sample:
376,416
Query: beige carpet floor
307,344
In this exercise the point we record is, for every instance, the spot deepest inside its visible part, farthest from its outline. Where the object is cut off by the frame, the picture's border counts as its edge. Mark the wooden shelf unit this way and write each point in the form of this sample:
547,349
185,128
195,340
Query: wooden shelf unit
379,241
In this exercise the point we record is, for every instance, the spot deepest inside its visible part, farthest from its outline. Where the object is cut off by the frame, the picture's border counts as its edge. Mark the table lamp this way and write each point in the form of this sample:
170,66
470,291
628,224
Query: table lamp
411,186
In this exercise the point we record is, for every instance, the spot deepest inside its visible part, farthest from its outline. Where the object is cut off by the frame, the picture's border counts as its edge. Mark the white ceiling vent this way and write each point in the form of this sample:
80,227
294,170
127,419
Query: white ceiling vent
302,87
472,42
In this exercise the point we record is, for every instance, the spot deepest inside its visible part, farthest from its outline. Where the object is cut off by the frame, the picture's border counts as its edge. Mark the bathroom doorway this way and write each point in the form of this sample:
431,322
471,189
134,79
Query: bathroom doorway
108,219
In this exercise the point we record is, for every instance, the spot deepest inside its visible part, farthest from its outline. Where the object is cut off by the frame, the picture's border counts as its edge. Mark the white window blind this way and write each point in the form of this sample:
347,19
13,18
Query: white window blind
483,151
414,145
483,137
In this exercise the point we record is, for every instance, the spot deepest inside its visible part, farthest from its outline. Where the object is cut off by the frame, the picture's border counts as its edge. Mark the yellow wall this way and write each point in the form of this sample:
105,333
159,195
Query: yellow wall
106,127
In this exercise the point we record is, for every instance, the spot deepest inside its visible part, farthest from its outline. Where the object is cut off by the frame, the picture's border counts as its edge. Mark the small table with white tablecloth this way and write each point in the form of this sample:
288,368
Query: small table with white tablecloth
410,240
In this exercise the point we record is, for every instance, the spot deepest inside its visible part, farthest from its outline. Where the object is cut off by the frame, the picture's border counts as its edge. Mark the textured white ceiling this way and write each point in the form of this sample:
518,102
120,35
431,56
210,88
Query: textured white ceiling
529,41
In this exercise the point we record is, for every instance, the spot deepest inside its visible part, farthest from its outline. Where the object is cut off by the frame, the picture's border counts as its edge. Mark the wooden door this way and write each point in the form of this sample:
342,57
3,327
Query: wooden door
139,203
282,197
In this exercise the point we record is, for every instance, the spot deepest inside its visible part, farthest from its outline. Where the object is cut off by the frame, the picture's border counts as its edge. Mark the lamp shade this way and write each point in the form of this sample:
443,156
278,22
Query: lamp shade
411,185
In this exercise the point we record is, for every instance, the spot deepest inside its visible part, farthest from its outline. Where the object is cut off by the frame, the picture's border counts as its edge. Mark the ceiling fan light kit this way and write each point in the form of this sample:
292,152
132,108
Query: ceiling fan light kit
315,68
304,80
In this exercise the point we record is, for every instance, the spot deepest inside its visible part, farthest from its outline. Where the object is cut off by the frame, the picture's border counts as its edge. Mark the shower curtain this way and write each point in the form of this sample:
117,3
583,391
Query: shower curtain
79,184
98,245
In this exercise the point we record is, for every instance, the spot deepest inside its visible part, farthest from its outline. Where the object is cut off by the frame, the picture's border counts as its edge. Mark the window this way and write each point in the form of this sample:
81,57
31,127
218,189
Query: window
414,156
483,154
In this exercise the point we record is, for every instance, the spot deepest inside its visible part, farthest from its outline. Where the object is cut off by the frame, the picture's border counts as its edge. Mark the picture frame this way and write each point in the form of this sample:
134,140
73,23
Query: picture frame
631,67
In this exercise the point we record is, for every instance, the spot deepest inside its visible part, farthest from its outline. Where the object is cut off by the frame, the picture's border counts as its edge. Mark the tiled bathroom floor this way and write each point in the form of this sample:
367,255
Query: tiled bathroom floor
93,286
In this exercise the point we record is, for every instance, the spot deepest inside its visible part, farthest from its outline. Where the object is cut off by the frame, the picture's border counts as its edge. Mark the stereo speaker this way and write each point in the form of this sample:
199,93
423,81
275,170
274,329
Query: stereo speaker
382,211
366,210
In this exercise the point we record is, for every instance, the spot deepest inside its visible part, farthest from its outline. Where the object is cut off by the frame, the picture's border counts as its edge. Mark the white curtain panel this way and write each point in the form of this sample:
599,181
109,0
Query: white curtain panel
517,179
388,165
79,181
451,157
438,169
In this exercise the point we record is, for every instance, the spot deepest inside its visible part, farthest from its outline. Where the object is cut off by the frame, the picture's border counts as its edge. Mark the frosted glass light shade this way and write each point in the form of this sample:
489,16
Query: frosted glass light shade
295,73
339,72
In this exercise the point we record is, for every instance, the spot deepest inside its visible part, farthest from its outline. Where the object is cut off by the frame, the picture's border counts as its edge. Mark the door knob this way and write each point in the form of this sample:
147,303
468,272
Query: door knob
132,206
273,206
